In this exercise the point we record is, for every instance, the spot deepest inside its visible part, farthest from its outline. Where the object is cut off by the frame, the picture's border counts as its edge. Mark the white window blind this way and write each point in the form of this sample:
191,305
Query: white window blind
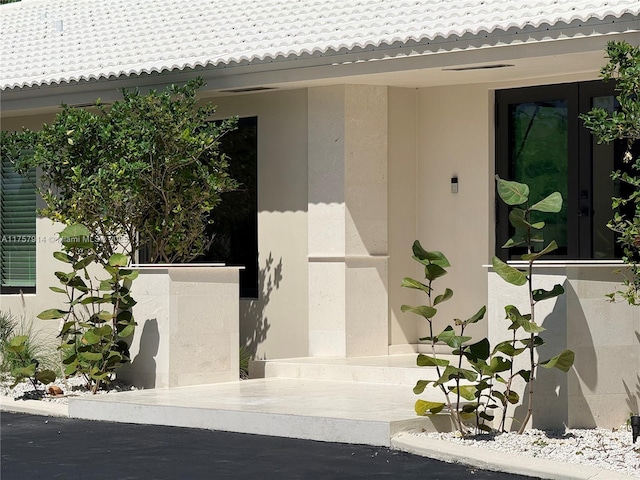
17,229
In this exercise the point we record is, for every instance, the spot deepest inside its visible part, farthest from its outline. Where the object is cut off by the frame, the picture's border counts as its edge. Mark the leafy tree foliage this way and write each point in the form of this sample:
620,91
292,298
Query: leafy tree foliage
144,173
623,124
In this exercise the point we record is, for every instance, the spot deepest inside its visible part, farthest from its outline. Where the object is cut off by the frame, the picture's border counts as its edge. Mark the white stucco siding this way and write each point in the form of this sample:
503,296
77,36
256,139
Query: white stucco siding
275,325
403,108
454,140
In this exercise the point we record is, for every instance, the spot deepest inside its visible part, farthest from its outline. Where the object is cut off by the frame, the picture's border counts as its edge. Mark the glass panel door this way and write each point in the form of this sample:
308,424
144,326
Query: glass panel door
536,144
541,141
597,188
539,157
603,188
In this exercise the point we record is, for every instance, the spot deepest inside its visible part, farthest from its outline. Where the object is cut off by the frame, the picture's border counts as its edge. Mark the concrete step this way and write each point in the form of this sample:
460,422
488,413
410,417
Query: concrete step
388,370
336,411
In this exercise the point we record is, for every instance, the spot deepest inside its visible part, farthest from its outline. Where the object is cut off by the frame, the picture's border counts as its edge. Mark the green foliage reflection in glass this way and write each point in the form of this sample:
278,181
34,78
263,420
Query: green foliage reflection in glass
539,154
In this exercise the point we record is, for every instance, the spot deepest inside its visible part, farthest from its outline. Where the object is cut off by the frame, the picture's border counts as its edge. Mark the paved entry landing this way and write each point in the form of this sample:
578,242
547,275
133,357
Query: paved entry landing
337,411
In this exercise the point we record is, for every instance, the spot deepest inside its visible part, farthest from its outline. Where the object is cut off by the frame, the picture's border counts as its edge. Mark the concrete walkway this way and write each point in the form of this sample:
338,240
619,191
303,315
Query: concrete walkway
345,412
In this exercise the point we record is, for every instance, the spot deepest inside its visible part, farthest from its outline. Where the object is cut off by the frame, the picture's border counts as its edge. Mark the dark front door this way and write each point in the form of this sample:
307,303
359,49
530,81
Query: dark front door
541,141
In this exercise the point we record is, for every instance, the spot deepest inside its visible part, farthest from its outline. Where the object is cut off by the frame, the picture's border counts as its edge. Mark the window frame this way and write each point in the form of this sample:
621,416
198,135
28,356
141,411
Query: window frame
578,96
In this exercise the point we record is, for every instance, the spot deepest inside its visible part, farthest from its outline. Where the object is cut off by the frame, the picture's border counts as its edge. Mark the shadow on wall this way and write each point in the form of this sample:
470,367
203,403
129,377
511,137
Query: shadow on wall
145,361
551,388
633,393
254,325
632,396
564,401
558,398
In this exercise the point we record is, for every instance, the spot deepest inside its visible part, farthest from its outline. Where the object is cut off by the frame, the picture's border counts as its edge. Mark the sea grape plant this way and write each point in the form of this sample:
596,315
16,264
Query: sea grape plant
450,376
98,316
528,234
482,380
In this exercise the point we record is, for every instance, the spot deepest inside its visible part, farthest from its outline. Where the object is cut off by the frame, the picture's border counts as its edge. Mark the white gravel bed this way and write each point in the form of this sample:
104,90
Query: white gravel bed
608,449
71,387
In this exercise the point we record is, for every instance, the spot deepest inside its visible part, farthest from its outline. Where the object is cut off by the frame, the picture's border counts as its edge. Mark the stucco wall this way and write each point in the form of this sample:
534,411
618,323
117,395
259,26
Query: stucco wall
276,324
403,185
454,139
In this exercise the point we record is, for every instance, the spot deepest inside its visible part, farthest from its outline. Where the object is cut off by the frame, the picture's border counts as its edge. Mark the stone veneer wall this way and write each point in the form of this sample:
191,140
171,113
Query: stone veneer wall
188,327
603,386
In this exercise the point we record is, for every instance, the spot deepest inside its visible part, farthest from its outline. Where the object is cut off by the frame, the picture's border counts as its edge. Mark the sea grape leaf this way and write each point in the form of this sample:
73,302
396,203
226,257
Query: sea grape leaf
512,193
415,284
423,310
541,294
427,361
423,406
448,293
562,361
508,273
550,204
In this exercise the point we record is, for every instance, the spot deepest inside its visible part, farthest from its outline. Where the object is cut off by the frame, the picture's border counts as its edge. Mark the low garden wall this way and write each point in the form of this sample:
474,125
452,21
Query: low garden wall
187,326
603,386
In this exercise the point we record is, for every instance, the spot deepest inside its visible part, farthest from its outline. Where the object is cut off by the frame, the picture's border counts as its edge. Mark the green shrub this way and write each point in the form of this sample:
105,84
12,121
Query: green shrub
245,356
25,354
144,174
623,124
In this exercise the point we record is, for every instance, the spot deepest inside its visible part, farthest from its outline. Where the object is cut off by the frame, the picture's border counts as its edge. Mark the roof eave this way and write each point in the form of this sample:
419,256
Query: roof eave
438,52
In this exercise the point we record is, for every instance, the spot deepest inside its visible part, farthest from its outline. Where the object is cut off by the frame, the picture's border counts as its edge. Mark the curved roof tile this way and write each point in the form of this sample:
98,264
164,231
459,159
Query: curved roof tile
57,41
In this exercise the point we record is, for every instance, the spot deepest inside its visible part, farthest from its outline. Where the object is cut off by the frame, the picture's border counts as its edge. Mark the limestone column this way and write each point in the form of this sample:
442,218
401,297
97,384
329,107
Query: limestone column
347,221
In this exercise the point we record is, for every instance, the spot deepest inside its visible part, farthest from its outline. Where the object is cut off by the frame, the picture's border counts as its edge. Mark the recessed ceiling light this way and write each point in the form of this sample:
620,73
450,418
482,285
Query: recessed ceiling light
478,67
247,89
87,105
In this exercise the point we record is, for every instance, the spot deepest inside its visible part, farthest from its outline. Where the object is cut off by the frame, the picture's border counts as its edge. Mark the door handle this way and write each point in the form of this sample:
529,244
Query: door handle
584,212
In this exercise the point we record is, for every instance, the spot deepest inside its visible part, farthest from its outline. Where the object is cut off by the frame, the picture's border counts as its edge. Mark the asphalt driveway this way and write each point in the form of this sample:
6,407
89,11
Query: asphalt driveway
35,447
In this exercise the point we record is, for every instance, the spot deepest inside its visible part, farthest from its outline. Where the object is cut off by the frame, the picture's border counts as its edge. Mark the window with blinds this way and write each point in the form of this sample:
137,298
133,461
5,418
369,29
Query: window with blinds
17,230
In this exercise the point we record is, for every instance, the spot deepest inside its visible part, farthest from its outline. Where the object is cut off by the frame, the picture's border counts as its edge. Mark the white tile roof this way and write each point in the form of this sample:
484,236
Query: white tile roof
57,41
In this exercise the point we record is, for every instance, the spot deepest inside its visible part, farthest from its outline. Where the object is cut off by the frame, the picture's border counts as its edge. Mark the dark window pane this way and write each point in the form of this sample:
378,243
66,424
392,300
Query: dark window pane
604,246
538,134
235,220
607,158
